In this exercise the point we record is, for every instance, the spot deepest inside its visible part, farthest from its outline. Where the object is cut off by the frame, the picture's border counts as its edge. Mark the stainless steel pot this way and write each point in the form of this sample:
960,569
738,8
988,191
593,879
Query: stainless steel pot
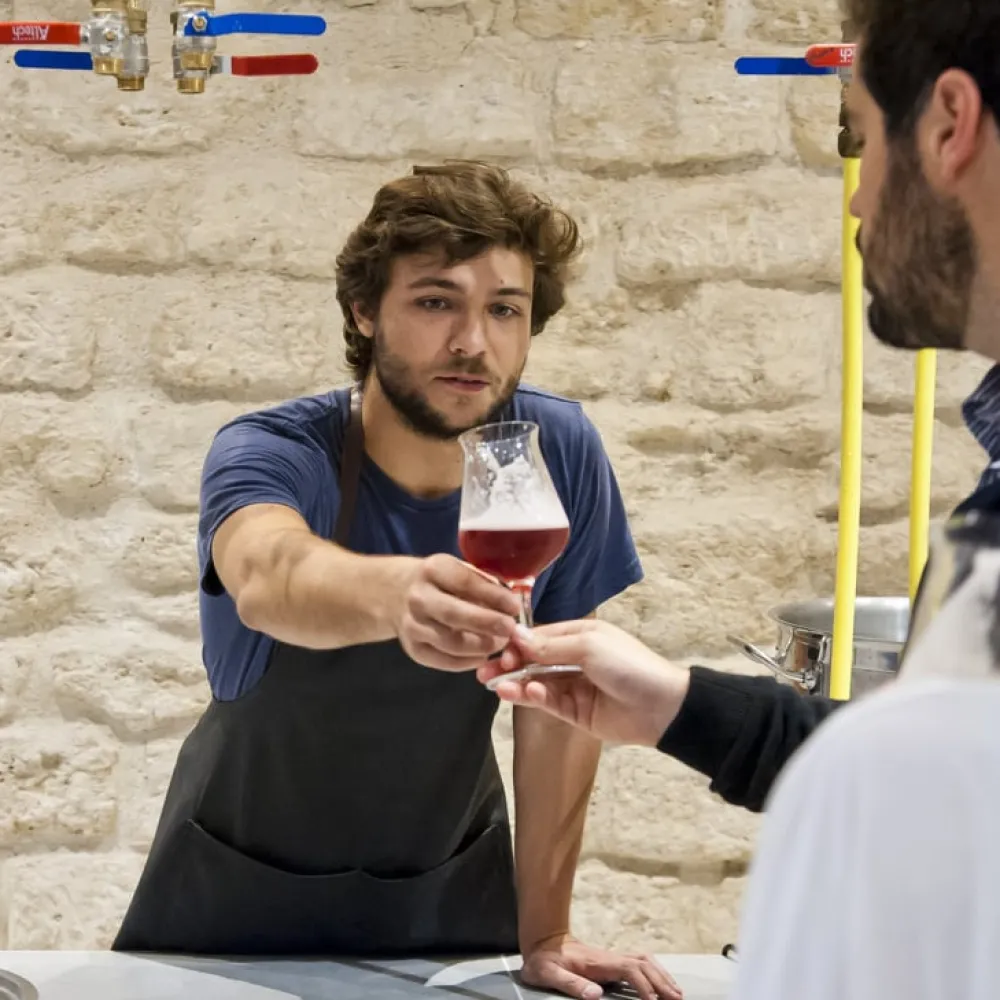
802,656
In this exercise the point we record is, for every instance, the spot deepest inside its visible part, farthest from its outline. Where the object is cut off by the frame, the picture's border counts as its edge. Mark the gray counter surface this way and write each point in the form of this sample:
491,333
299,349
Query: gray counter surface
86,975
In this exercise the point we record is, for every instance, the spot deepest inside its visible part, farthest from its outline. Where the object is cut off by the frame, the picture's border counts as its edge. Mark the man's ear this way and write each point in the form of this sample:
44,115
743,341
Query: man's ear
365,323
951,129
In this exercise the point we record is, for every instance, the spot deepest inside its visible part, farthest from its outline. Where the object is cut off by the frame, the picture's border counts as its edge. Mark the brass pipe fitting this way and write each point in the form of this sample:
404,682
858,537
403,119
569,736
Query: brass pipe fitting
193,56
136,68
116,33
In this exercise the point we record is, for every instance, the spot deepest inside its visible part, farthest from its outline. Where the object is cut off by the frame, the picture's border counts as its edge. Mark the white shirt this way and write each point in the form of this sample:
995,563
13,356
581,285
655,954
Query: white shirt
877,873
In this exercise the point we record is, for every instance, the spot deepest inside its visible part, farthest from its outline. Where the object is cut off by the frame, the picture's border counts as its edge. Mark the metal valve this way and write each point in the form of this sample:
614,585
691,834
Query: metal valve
819,60
118,44
196,27
114,43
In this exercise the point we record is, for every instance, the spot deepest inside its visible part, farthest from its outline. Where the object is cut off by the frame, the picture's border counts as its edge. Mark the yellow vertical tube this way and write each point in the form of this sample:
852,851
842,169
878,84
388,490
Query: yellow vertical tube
852,400
920,464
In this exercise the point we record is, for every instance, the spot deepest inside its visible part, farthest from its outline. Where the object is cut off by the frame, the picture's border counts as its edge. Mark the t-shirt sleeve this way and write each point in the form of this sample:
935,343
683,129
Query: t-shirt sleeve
600,560
251,462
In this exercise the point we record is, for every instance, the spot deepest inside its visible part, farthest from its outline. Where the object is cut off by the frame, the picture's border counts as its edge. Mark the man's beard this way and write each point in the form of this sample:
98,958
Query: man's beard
920,262
413,406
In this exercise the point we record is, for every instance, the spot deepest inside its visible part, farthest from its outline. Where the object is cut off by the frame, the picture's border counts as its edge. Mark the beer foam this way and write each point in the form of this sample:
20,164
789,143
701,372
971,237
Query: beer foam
516,500
528,517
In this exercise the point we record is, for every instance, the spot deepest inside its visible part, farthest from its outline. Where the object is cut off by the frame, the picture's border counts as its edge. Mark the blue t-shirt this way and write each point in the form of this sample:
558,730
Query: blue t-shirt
283,456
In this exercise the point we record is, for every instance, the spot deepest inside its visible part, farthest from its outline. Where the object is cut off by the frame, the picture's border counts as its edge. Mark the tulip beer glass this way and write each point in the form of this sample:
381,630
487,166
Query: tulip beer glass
512,523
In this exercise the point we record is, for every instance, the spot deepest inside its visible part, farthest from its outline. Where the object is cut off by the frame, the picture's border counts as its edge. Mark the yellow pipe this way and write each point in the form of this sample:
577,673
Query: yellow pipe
920,465
852,399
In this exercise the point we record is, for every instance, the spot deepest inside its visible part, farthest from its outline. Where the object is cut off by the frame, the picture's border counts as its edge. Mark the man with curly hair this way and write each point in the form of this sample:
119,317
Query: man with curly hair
341,795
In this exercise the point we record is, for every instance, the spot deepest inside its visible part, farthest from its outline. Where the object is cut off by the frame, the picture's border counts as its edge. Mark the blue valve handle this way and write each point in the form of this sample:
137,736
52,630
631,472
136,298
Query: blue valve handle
779,66
40,59
256,24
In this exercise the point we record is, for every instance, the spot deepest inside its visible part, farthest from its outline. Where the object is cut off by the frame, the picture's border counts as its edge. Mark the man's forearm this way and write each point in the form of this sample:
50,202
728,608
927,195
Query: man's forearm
554,769
308,592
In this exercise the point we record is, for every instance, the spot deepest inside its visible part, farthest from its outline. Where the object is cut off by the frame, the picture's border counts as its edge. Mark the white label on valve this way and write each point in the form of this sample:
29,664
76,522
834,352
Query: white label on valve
30,32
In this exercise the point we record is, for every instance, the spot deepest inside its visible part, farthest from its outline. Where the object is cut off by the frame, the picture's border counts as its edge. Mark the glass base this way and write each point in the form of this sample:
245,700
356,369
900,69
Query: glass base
526,673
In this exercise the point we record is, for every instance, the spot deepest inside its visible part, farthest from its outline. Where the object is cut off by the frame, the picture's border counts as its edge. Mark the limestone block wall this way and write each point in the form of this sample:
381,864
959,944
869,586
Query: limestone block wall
167,262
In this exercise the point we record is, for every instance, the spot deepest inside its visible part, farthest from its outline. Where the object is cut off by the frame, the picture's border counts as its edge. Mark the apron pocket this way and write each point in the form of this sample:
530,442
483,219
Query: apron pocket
216,899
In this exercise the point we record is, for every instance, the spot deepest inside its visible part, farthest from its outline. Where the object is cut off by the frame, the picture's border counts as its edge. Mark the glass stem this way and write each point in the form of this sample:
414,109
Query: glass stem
523,589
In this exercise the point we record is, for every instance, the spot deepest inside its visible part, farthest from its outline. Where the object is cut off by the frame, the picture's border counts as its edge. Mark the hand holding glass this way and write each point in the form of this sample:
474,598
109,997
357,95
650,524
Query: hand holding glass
512,523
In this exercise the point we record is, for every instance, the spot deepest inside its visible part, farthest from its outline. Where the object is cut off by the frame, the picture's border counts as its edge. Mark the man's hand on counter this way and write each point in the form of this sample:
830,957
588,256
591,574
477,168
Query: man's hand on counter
626,693
577,970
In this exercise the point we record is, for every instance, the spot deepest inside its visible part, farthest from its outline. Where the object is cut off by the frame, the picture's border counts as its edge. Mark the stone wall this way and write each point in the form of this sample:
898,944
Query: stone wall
166,262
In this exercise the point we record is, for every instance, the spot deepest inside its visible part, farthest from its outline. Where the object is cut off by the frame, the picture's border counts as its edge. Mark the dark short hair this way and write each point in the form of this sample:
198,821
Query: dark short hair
908,44
460,209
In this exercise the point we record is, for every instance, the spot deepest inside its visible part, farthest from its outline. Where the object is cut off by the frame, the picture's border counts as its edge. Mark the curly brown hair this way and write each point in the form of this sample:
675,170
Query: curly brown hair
461,209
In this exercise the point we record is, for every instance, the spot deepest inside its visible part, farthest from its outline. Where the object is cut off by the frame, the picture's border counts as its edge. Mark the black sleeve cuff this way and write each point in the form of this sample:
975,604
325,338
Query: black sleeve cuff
710,719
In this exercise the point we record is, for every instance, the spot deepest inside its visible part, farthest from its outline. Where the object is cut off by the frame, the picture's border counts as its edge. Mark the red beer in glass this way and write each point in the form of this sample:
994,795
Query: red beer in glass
512,523
512,554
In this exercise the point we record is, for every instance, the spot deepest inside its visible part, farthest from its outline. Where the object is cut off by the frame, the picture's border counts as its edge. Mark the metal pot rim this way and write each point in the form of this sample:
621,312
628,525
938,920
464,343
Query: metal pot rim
781,614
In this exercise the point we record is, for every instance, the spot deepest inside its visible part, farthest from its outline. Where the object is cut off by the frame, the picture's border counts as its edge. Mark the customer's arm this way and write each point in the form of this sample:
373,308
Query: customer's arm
740,731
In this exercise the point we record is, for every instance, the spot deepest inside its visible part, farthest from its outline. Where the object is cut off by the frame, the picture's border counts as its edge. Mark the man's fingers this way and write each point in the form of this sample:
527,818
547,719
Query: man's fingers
452,642
555,977
512,658
485,672
466,582
492,669
431,656
649,979
538,694
662,982
513,693
527,693
551,650
459,642
637,979
430,606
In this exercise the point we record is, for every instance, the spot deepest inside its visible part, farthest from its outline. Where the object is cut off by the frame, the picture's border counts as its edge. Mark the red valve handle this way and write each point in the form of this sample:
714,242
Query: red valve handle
39,33
831,56
278,65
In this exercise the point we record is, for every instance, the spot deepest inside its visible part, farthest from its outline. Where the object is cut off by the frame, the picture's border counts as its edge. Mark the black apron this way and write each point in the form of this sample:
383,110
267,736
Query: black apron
349,804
